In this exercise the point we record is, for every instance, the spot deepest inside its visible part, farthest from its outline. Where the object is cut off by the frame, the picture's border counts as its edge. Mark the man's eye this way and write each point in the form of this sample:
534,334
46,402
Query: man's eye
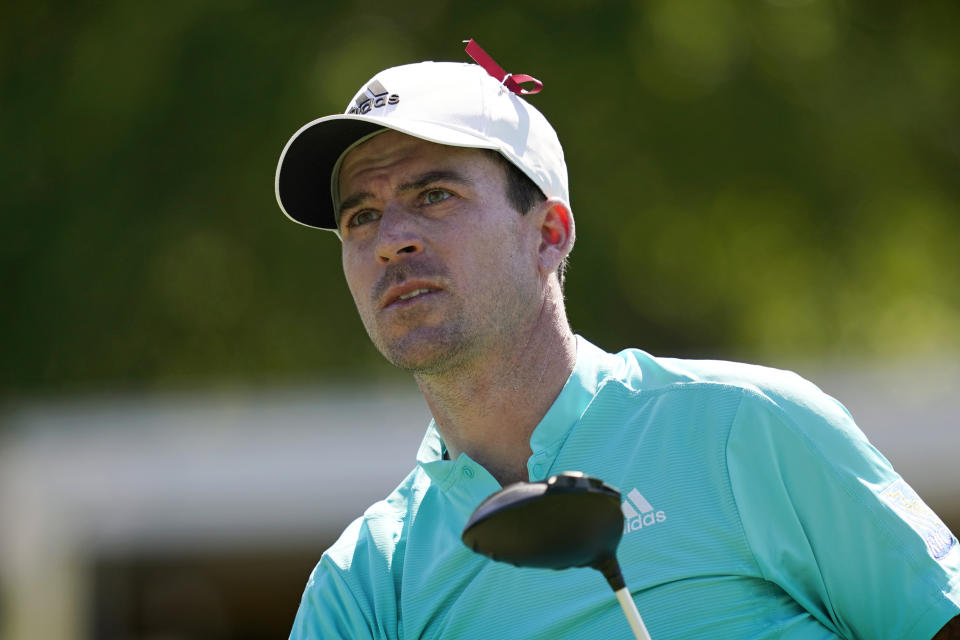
436,195
363,217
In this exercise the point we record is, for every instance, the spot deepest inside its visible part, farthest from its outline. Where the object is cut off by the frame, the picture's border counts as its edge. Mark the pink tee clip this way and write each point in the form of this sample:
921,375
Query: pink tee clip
511,81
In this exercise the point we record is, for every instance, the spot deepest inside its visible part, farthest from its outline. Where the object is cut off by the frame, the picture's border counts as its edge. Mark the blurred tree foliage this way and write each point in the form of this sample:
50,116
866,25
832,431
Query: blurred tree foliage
750,179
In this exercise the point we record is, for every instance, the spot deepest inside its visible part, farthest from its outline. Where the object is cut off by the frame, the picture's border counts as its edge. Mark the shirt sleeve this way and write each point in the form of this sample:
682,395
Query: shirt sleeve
335,604
831,522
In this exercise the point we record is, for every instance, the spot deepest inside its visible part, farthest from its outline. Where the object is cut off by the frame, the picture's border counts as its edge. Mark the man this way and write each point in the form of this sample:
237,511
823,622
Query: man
755,507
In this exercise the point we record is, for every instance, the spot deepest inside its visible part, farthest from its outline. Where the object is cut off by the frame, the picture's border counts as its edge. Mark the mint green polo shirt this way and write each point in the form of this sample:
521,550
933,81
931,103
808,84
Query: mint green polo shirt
754,507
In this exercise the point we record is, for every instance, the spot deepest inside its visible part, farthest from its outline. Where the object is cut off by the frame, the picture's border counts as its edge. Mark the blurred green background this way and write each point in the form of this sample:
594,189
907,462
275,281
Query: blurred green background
761,180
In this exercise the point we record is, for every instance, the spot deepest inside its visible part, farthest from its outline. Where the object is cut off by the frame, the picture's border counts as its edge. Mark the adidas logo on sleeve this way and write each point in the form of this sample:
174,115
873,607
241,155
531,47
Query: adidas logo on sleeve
638,513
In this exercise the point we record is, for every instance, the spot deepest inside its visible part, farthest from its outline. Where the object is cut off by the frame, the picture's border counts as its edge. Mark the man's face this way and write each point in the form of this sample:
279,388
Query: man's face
441,267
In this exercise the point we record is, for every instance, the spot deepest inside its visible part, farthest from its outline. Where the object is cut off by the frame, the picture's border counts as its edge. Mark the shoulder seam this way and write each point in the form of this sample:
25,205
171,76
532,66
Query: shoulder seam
733,494
786,420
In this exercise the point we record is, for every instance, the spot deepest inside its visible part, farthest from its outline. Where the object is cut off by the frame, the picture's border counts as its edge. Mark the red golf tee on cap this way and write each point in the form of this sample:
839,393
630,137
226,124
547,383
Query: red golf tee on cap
511,81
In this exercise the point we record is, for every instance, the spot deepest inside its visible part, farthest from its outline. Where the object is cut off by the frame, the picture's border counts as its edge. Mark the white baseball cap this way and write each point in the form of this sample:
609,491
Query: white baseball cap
450,103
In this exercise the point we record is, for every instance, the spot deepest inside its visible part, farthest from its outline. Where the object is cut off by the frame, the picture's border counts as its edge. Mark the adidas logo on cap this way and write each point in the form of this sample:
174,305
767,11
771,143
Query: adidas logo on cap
375,95
638,513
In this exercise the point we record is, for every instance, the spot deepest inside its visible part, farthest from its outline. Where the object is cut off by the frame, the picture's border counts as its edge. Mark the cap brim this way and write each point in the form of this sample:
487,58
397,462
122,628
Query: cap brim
305,169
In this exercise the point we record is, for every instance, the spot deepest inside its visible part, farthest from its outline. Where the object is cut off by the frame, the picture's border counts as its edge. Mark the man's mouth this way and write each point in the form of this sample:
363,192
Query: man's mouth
408,293
413,294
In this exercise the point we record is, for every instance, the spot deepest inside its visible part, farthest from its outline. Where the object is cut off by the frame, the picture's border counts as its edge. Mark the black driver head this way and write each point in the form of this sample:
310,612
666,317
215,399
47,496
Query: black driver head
567,520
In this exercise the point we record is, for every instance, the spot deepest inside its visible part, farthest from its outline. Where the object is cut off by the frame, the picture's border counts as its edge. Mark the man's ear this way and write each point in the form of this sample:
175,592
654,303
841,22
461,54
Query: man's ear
556,233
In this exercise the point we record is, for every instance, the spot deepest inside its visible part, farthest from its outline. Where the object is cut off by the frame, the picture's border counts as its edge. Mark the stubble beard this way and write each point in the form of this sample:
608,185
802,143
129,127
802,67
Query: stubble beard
434,350
427,351
432,346
415,340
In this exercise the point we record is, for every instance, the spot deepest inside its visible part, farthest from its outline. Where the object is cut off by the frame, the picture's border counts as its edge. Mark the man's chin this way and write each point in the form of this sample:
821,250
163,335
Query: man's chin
425,354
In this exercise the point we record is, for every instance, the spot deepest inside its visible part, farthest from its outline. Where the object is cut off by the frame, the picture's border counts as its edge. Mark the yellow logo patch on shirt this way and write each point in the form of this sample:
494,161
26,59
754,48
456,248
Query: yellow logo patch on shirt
905,502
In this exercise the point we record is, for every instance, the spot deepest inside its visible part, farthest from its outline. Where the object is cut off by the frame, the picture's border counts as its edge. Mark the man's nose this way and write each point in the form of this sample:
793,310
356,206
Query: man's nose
397,235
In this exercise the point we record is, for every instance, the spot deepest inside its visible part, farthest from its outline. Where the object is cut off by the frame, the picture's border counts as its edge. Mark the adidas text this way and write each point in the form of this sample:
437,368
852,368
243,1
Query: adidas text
639,513
645,520
377,101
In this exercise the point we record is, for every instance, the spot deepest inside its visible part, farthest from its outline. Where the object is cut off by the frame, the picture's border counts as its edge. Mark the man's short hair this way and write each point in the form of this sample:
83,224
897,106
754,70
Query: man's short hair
522,194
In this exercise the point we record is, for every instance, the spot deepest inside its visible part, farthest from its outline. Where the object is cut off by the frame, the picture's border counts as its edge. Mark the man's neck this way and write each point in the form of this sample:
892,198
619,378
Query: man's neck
489,408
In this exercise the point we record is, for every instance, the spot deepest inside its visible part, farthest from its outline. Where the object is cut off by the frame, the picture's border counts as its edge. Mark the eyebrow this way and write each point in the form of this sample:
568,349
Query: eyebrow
419,182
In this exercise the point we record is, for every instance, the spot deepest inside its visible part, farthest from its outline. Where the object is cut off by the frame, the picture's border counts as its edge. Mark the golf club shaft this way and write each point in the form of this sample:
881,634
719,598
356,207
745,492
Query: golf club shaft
633,616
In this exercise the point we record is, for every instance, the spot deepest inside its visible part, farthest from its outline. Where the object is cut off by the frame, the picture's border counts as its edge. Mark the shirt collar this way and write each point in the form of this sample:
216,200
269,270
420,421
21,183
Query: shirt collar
592,367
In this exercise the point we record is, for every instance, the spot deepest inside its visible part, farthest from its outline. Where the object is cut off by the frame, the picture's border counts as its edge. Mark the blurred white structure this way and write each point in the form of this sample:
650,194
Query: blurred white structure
91,478
99,477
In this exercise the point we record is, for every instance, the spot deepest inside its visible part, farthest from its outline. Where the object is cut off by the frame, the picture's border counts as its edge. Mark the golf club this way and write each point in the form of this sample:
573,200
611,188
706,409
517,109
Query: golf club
568,520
